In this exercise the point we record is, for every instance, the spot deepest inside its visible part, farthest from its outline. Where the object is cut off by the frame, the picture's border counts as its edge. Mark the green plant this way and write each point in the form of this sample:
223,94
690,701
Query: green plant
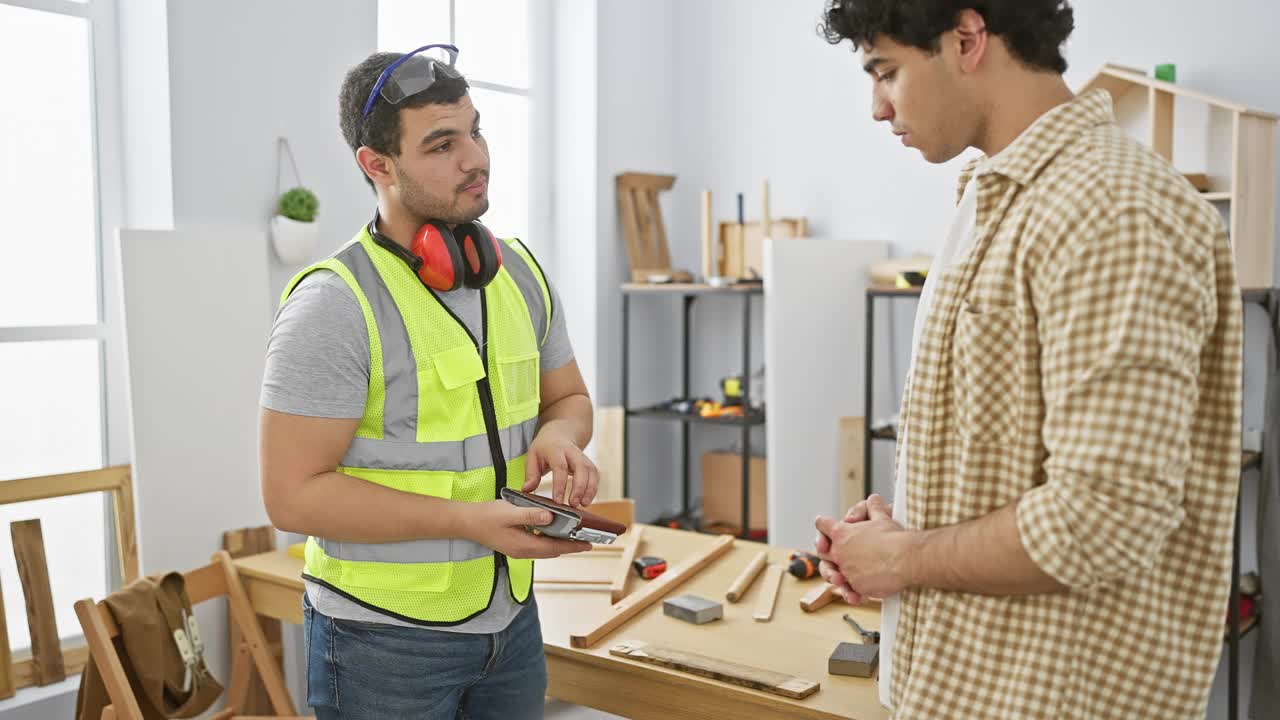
298,204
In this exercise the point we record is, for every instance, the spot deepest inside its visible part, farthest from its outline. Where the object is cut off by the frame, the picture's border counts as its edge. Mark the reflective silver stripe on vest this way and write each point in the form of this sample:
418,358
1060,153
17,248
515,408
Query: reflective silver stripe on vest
400,409
413,551
451,456
527,281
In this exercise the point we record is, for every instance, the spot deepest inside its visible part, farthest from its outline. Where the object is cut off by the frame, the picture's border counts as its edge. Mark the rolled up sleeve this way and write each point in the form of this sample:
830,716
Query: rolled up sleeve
1121,327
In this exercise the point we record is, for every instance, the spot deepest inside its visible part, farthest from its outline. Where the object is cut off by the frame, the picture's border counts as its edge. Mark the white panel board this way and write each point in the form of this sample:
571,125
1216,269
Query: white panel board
815,314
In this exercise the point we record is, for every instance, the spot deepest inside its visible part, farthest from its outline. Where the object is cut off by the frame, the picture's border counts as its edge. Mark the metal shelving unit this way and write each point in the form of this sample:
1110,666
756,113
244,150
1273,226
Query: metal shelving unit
689,294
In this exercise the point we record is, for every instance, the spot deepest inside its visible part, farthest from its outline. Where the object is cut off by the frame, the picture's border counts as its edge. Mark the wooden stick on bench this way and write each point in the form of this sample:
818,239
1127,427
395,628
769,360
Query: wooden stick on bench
653,591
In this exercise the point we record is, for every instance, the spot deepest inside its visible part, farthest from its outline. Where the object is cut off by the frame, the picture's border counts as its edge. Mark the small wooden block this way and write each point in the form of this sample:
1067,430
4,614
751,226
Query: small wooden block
716,669
854,659
818,598
693,609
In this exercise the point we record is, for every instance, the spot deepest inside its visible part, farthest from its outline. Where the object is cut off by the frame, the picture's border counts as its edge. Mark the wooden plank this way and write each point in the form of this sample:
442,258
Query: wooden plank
717,669
631,229
1253,210
608,440
51,486
849,459
618,585
646,210
46,648
748,576
126,528
1160,105
239,543
818,598
652,592
768,594
659,229
7,683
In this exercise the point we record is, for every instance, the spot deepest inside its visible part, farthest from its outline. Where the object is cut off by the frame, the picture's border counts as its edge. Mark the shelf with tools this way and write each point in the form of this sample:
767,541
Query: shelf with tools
742,416
660,413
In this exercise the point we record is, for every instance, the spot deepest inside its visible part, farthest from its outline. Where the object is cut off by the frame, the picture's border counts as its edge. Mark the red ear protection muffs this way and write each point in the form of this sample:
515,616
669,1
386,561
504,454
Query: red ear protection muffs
447,259
468,255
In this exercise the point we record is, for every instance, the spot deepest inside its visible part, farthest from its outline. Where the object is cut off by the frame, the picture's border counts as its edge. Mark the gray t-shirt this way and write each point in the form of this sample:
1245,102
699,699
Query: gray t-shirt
318,365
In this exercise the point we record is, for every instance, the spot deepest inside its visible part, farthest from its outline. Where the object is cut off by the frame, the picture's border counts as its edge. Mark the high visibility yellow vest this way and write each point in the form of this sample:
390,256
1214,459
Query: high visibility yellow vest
441,419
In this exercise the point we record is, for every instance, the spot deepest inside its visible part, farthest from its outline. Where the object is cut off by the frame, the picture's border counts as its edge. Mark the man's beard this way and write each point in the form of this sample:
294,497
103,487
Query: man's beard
418,201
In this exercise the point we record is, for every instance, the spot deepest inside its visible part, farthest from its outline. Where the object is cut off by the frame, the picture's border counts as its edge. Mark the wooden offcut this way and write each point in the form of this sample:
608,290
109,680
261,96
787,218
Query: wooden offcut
240,543
652,592
746,577
717,669
46,648
768,593
642,226
622,572
741,247
818,598
7,683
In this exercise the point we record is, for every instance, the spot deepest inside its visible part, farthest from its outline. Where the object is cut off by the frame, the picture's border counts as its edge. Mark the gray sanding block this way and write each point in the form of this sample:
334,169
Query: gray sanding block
854,659
693,609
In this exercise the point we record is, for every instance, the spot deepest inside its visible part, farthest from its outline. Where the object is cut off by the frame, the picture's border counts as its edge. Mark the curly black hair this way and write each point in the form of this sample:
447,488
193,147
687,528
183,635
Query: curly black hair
381,130
1034,30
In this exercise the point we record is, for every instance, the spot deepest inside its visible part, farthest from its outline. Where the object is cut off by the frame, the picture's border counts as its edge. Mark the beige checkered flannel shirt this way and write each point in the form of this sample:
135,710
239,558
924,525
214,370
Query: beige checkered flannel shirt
1084,362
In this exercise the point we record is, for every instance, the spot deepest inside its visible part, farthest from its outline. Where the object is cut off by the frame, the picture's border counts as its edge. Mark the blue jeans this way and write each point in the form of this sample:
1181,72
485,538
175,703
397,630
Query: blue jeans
359,670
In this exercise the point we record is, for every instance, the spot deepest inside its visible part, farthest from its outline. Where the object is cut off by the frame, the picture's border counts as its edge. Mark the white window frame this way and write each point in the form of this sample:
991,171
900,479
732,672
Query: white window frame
108,329
540,137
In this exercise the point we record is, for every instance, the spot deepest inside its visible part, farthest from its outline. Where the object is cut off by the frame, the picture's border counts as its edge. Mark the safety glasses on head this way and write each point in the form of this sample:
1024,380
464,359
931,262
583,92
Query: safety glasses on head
411,74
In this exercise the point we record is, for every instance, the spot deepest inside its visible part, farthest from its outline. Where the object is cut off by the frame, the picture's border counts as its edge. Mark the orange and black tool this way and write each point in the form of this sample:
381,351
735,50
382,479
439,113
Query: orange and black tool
649,567
803,565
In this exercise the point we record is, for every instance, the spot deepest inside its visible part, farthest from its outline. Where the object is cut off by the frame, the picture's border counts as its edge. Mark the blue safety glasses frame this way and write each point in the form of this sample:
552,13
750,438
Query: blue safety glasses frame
411,74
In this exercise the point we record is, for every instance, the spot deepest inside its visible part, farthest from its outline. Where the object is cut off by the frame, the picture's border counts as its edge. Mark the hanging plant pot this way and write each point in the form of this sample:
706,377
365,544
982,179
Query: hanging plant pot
293,241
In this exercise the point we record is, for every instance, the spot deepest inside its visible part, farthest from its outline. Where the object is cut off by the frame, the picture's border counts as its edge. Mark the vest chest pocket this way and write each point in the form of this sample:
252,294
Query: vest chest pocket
448,403
521,383
987,363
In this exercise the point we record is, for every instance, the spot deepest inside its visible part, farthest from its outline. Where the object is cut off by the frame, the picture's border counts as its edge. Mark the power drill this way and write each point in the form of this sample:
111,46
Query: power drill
804,565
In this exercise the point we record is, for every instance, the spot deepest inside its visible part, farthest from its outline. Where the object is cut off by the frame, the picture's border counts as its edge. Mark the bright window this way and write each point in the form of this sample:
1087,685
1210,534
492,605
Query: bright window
53,335
493,39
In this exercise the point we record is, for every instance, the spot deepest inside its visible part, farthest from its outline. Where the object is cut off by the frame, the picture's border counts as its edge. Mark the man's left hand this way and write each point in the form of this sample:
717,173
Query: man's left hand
553,450
873,556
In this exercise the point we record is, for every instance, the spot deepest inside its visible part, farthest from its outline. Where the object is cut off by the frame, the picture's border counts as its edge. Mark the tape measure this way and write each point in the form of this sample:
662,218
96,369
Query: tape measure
649,567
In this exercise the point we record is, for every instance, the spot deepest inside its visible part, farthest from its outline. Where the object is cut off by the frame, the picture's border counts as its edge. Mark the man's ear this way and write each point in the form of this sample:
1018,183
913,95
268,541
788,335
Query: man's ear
972,39
376,165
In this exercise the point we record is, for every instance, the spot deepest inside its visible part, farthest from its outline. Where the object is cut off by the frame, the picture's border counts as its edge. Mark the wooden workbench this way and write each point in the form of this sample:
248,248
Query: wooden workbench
795,642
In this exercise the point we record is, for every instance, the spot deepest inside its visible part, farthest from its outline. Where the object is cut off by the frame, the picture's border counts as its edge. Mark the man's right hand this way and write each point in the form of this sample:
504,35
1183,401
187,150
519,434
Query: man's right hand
500,525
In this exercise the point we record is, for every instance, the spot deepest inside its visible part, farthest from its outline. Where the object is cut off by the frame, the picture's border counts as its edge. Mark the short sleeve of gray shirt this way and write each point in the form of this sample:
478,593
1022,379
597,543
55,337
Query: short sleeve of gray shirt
317,365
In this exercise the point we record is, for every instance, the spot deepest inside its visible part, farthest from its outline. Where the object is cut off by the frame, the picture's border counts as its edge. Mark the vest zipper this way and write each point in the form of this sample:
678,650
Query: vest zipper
485,391
491,418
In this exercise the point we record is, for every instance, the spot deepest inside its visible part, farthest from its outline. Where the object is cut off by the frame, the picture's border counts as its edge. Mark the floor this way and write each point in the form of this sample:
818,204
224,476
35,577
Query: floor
557,710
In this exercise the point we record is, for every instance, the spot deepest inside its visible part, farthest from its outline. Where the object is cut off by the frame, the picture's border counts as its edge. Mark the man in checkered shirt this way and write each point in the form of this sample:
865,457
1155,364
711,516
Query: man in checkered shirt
1060,545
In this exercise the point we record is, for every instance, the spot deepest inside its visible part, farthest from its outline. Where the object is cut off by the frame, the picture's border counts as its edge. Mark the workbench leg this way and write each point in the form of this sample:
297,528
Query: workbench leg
626,407
686,493
867,424
746,411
